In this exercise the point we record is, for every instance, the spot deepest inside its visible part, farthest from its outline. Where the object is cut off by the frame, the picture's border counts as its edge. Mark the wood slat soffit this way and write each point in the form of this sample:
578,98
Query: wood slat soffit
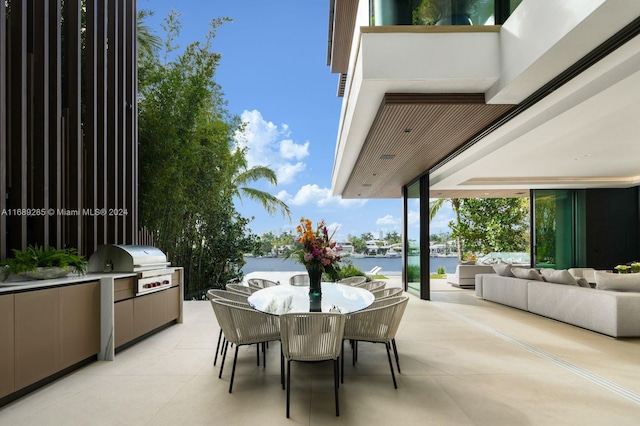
341,34
413,132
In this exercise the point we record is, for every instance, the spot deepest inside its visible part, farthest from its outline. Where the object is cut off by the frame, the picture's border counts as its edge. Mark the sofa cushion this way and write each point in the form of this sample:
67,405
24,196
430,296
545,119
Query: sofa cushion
558,276
527,274
503,269
617,282
587,273
583,282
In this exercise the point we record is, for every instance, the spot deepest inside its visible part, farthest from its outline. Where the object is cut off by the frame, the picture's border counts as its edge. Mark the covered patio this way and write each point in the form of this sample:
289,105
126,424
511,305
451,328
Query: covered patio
465,361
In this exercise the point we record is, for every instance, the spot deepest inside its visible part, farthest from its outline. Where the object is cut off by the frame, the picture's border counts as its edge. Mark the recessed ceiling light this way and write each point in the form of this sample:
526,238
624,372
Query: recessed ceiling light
520,193
375,174
366,184
387,156
407,130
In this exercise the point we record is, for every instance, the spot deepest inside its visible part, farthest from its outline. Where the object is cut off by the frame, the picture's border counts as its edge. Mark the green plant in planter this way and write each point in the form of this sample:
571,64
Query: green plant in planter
34,257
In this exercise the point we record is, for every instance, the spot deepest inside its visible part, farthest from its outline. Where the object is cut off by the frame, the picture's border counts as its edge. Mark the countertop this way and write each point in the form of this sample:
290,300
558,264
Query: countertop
17,285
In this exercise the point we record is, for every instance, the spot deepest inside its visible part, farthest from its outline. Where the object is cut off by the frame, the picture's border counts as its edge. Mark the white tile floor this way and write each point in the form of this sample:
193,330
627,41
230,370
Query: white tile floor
464,361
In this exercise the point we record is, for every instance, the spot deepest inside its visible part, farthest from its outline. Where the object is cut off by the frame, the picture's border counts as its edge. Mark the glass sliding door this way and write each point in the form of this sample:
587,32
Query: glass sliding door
558,228
412,239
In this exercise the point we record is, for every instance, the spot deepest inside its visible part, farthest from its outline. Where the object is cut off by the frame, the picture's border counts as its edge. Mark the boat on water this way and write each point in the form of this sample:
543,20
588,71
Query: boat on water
392,253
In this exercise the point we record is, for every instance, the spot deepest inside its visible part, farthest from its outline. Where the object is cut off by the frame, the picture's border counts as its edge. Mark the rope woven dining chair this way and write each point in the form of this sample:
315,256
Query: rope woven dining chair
241,289
229,296
373,285
377,325
355,280
299,279
384,293
260,283
243,326
313,336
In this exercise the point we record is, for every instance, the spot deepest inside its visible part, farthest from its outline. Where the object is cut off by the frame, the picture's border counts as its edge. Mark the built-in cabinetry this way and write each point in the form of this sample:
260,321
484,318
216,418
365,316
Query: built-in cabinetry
45,331
136,316
7,352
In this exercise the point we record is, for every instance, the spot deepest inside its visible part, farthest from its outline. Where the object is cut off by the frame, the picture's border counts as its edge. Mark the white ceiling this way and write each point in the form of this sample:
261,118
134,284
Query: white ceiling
584,135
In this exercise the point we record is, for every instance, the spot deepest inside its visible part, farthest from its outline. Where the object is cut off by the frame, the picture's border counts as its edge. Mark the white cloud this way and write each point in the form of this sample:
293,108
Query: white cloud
413,218
282,195
387,220
287,171
290,150
269,145
313,194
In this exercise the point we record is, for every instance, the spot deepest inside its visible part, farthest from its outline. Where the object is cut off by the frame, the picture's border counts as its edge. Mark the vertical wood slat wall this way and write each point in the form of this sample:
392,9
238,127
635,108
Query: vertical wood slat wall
68,124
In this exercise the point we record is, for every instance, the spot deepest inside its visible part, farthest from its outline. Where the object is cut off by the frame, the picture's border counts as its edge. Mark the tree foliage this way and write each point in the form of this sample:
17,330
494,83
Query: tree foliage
492,224
189,164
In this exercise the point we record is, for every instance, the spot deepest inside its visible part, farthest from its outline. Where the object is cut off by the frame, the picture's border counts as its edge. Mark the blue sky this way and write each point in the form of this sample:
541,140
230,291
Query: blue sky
274,75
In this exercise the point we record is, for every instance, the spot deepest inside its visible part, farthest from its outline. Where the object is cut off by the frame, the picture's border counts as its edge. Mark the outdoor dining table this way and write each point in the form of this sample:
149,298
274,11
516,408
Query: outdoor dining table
336,297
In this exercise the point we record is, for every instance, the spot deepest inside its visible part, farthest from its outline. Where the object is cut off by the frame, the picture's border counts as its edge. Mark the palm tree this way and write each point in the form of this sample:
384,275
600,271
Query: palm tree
244,176
436,204
148,43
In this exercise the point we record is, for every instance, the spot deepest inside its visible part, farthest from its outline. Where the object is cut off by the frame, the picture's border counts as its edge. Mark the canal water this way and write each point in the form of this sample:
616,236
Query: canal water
390,266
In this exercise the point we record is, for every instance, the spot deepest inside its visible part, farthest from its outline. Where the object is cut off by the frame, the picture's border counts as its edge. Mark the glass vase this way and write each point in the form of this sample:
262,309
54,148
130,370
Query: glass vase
315,281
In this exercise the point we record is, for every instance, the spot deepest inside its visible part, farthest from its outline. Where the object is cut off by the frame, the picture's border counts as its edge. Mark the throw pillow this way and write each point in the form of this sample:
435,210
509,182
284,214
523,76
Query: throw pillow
558,276
582,282
617,282
527,274
503,269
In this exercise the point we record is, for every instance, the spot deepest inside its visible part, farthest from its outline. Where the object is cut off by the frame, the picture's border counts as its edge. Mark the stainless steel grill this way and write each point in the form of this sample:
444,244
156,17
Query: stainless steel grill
149,263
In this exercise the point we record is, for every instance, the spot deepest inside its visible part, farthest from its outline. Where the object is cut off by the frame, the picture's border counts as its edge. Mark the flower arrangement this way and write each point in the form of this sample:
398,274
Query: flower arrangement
318,250
635,267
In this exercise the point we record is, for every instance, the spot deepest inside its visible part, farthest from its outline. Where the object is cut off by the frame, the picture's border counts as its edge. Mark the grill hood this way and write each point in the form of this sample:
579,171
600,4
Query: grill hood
126,258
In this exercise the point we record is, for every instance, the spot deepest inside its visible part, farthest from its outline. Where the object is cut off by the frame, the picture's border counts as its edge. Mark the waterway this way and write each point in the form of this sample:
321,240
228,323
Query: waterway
390,266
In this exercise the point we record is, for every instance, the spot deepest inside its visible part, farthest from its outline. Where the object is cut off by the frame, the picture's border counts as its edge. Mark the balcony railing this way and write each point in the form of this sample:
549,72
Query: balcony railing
440,12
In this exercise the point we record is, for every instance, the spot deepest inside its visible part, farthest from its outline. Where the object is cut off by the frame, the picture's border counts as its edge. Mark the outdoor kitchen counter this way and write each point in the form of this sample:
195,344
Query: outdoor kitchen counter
48,327
106,280
24,285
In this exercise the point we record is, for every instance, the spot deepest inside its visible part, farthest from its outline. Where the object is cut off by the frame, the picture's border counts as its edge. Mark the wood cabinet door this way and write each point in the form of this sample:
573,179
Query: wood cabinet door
79,322
142,311
123,322
6,345
37,336
173,306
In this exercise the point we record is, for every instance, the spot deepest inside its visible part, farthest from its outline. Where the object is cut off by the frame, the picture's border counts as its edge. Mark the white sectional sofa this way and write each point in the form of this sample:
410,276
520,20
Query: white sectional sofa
465,275
614,313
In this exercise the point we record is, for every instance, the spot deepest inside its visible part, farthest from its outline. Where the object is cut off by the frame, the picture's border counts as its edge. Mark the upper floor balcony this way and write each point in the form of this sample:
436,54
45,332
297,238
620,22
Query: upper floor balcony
417,88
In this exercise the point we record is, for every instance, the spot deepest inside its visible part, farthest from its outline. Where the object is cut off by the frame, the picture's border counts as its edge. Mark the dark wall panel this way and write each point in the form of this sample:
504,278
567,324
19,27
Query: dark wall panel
68,124
613,227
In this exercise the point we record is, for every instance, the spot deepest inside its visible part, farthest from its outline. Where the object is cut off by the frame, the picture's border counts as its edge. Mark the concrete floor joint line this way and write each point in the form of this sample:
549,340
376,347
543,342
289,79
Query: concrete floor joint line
607,384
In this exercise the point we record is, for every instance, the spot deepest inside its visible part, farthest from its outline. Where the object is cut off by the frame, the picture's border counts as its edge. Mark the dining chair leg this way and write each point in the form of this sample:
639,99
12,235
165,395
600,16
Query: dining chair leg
288,384
224,356
395,351
388,346
264,355
354,354
281,368
258,354
215,359
342,363
233,371
336,385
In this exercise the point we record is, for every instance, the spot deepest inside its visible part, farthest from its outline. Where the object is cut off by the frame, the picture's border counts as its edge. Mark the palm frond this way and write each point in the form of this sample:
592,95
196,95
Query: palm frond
270,202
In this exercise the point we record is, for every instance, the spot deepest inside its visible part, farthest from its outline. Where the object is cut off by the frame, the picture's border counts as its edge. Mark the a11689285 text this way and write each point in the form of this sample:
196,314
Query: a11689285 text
65,212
